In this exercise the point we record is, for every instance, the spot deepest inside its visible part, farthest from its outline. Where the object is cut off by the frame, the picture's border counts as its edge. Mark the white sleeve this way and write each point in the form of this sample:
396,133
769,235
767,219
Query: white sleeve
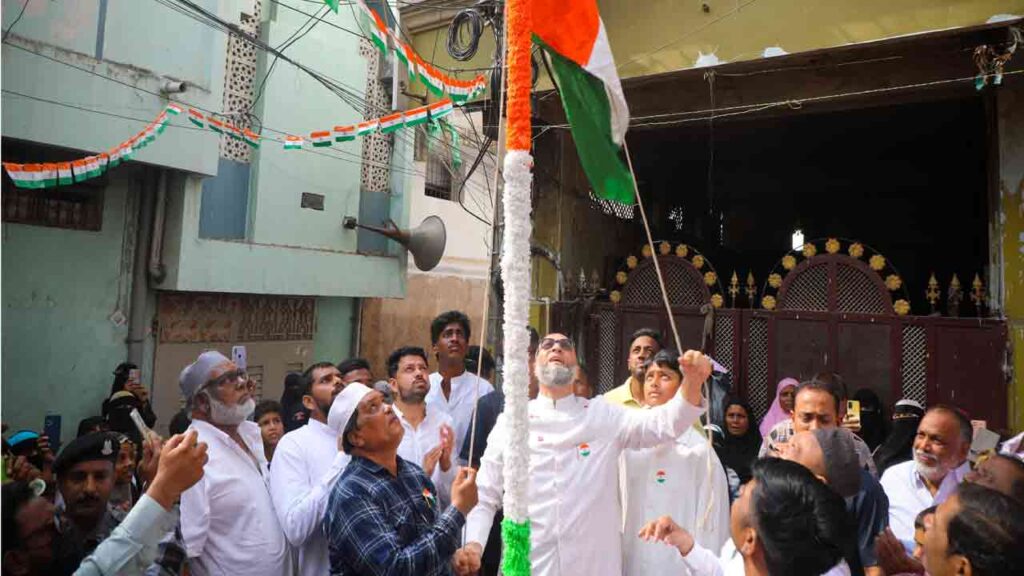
300,502
195,518
490,483
647,428
703,562
716,494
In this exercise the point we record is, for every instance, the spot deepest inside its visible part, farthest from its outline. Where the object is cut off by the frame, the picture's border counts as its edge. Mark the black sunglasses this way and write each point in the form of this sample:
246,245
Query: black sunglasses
549,343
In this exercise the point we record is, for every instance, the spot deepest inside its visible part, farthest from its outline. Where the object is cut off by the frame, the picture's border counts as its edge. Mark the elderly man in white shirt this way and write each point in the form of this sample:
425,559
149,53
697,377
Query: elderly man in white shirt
937,468
453,389
682,479
428,438
228,522
575,514
307,462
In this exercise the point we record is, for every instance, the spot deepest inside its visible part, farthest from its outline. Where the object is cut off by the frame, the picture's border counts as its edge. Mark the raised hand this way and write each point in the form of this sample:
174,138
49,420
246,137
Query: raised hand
430,460
447,441
464,494
181,465
20,469
665,530
696,368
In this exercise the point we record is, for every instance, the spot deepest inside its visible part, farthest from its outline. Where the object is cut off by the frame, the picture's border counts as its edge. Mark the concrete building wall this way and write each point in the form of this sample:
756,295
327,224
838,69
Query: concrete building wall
61,290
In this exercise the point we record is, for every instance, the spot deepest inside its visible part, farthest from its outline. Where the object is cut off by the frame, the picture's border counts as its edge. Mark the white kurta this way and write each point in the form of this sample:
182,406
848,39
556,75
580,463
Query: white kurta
418,441
574,509
461,403
306,464
228,522
672,479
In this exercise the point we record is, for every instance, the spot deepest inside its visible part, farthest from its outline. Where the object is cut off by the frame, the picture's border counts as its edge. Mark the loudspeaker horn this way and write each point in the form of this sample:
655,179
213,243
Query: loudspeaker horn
425,242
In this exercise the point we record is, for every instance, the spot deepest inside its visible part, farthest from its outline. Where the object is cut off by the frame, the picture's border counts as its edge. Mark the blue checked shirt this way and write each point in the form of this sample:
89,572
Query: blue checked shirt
378,524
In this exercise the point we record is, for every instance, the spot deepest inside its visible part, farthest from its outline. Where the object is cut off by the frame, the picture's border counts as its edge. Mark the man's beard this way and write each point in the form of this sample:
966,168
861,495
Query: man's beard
221,413
928,466
413,396
553,375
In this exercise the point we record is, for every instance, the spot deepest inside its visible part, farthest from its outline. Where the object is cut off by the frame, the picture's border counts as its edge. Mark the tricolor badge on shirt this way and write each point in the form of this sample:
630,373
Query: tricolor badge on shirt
428,497
584,449
660,477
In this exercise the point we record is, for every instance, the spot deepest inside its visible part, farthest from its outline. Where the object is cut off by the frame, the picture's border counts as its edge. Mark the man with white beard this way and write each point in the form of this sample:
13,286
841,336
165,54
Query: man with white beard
575,443
227,518
937,468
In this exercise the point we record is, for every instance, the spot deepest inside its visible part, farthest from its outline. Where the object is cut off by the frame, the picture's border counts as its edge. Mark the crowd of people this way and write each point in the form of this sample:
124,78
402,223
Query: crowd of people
348,475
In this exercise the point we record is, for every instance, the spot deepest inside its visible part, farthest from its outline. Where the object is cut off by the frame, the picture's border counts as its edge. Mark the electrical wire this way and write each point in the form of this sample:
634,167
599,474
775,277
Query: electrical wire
16,19
295,37
465,50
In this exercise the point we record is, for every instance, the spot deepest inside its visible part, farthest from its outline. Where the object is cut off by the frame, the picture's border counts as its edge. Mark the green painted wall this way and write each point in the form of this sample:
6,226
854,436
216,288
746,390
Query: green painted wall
59,290
335,319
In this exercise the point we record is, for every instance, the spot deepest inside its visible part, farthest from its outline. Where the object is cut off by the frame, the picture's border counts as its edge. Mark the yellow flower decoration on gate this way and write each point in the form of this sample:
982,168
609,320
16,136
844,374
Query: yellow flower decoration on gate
615,296
646,251
893,282
902,307
768,302
832,246
775,281
877,262
682,250
810,250
698,261
631,262
856,250
716,300
710,278
664,248
789,262
621,277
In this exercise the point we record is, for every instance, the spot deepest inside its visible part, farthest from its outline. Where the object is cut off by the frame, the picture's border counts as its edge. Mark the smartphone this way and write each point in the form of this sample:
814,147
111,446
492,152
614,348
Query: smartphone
134,375
985,440
51,428
238,356
145,431
853,411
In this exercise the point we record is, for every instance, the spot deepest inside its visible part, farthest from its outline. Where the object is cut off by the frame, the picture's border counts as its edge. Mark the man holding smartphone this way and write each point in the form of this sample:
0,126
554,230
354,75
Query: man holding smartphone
127,378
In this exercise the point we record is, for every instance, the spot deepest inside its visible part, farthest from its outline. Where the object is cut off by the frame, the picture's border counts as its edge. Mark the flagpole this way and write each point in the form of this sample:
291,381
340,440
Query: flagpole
515,271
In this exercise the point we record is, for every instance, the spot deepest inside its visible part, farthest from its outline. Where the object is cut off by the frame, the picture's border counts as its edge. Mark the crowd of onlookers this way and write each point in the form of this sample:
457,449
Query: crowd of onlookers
401,471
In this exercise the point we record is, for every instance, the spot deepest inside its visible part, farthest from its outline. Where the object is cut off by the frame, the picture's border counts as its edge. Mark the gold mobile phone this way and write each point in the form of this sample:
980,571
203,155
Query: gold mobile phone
853,411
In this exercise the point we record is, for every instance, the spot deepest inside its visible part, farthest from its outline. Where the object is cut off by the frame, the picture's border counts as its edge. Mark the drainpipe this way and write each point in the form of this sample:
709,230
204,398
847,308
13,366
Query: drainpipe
156,268
137,305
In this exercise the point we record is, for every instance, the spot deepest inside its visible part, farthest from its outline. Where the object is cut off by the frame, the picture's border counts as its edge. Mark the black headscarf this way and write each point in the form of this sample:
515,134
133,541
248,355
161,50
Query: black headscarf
897,447
872,418
295,414
739,452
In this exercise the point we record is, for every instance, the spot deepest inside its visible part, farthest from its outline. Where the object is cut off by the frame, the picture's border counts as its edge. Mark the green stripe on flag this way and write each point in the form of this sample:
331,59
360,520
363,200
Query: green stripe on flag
589,114
332,4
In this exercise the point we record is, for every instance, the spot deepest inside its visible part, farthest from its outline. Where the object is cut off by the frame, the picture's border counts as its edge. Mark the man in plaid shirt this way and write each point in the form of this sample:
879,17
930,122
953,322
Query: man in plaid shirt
383,517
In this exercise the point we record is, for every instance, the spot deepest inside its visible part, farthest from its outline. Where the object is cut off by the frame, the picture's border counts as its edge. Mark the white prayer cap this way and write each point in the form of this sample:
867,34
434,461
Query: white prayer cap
345,405
198,373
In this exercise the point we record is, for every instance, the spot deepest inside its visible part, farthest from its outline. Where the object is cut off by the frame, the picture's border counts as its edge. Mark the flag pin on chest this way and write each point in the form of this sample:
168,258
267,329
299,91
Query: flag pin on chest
584,449
660,477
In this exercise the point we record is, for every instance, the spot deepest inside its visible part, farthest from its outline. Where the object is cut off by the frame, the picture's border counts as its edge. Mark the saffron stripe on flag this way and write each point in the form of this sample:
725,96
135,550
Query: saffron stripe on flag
196,117
344,133
320,139
293,143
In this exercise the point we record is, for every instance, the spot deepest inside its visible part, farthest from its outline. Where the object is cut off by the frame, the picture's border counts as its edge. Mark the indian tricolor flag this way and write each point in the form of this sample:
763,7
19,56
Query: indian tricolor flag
390,123
416,116
174,109
368,127
293,142
251,138
431,77
459,90
441,108
115,156
64,174
376,28
215,125
400,47
102,160
196,117
344,133
575,37
233,131
320,139
80,168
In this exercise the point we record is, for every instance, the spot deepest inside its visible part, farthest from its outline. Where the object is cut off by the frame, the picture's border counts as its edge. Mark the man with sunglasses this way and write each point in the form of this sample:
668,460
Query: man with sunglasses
575,444
228,522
